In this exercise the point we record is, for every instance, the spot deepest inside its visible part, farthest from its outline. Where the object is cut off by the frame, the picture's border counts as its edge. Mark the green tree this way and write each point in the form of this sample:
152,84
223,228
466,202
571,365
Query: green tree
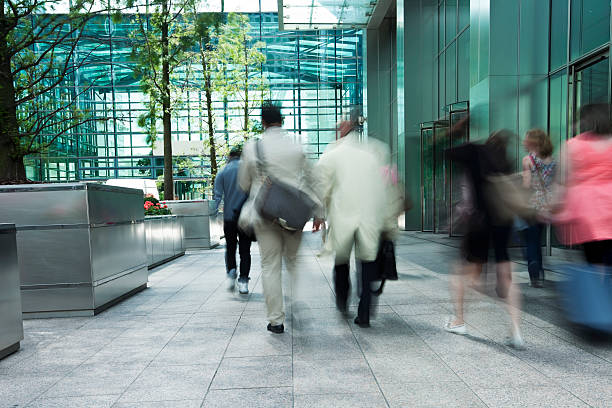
38,52
241,74
161,45
205,28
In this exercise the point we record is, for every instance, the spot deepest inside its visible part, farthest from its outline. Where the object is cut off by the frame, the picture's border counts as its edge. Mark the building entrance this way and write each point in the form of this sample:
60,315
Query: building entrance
440,179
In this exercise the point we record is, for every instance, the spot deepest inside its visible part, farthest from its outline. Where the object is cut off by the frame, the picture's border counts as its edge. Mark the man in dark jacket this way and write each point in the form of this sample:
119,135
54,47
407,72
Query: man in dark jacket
227,188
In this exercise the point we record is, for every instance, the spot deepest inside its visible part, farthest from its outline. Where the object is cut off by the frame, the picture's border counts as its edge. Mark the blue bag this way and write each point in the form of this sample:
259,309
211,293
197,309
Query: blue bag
587,296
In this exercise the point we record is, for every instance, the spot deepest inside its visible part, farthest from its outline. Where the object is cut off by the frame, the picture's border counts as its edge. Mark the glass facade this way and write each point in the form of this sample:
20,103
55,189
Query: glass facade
316,76
512,65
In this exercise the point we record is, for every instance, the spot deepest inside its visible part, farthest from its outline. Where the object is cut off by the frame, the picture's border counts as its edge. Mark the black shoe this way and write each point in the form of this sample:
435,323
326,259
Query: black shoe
536,284
361,324
276,329
342,306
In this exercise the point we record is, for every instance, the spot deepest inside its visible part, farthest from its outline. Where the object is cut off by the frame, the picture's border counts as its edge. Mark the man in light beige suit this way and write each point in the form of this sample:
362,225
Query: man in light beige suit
360,206
284,160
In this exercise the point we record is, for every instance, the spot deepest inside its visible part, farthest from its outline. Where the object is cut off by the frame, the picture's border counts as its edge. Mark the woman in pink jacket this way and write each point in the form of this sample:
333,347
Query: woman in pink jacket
586,211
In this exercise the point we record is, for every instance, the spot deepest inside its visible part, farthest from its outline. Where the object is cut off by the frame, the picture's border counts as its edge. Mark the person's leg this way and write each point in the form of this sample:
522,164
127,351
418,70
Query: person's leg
466,271
291,245
475,250
244,248
342,284
505,287
230,231
368,271
270,243
594,252
534,252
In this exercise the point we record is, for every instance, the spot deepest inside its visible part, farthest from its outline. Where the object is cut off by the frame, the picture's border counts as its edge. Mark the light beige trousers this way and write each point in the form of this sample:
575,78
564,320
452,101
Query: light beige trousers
276,244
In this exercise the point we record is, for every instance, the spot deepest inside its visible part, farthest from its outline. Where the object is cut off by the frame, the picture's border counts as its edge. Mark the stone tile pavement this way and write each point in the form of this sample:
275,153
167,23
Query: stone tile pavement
187,342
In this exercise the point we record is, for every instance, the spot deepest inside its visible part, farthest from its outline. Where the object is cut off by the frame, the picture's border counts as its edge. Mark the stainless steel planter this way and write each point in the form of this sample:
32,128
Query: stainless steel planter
81,246
164,237
11,323
200,231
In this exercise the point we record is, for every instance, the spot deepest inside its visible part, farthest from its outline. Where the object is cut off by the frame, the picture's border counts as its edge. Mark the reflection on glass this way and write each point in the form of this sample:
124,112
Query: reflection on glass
591,86
558,34
441,175
427,157
455,171
590,25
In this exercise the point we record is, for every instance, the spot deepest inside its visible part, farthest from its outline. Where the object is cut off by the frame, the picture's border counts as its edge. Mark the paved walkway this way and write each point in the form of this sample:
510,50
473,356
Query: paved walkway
187,342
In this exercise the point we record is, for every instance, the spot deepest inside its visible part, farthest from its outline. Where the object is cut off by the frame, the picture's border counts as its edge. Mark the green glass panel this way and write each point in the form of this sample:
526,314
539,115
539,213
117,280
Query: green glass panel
558,34
464,14
558,109
451,74
441,41
451,20
590,25
463,66
441,86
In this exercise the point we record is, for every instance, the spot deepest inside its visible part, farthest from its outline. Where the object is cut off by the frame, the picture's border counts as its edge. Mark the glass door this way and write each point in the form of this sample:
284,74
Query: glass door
441,177
590,84
456,180
427,177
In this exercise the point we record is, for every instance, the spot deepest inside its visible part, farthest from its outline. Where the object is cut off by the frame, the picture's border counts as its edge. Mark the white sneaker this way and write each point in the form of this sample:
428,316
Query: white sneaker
231,279
243,286
516,341
456,329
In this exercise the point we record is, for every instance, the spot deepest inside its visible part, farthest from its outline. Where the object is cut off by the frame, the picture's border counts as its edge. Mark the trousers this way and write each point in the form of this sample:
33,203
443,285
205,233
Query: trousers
342,287
533,241
276,245
235,238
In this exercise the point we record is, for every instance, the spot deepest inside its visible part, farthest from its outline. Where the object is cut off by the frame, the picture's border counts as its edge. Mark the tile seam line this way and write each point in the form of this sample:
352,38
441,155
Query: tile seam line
173,336
230,340
68,373
445,363
352,329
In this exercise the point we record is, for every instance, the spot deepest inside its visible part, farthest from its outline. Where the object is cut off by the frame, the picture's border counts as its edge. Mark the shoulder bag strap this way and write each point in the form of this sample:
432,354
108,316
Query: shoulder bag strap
259,158
539,172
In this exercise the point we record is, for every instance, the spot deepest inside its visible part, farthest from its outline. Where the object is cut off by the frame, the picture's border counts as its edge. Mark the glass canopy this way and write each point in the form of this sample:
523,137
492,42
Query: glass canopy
324,14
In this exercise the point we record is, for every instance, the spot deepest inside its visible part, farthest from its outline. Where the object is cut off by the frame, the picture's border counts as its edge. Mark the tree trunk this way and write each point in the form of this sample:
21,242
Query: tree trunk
211,125
167,123
246,89
12,168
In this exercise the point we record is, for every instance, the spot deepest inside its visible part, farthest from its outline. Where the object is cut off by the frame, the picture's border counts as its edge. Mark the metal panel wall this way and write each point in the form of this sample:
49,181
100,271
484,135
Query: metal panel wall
11,324
198,233
84,236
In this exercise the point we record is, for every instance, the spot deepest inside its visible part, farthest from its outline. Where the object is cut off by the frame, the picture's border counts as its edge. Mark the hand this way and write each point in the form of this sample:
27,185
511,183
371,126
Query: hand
316,225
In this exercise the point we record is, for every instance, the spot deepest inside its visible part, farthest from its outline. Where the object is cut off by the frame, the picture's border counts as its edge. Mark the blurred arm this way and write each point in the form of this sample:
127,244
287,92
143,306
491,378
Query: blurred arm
218,191
245,173
527,172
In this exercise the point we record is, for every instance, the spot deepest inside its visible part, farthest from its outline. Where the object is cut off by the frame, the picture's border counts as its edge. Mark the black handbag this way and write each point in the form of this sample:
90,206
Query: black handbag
279,202
386,268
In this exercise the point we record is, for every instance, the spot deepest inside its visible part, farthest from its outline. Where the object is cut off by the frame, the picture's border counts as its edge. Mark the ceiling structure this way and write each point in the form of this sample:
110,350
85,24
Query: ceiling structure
324,14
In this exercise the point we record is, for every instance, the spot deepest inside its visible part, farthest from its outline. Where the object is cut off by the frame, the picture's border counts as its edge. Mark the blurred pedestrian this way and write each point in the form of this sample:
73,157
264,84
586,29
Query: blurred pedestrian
539,169
226,188
351,180
284,161
489,221
586,215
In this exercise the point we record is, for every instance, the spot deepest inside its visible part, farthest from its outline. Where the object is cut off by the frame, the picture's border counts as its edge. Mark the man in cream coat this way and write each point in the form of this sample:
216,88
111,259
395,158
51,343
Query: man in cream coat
284,160
351,181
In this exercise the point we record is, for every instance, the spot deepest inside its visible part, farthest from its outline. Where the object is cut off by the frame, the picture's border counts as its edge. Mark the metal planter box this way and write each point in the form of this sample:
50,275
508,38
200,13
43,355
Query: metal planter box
11,323
199,229
164,237
81,246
